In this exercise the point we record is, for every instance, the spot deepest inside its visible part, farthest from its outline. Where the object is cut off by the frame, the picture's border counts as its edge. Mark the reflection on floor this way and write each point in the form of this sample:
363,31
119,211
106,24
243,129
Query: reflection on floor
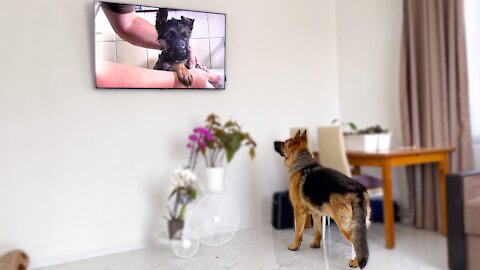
265,248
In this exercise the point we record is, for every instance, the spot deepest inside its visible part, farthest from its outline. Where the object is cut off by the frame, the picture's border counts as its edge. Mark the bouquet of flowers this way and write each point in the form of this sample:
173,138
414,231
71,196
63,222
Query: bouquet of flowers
215,142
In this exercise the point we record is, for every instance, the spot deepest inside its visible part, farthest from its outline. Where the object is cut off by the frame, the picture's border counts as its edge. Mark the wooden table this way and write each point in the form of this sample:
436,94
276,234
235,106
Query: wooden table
402,157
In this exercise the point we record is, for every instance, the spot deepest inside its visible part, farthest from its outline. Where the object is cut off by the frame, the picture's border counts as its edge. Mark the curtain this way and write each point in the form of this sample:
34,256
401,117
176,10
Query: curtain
434,98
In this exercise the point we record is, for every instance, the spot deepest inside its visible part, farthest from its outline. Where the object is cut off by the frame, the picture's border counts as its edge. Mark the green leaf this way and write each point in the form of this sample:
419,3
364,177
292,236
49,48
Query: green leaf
252,153
192,193
173,193
170,213
352,126
233,145
181,216
230,153
229,124
236,141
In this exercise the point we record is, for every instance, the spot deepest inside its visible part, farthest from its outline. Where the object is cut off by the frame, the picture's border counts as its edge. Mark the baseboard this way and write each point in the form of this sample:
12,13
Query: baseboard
88,255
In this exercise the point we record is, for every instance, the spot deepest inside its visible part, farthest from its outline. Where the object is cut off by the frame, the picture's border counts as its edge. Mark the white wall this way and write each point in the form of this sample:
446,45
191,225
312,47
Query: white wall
472,28
369,35
84,172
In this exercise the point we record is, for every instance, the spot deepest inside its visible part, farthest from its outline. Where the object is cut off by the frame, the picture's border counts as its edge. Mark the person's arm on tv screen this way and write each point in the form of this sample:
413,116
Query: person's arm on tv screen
114,75
134,29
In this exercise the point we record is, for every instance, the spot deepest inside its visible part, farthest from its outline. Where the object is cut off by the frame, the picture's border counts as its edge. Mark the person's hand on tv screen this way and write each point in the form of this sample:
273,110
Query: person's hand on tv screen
206,76
193,61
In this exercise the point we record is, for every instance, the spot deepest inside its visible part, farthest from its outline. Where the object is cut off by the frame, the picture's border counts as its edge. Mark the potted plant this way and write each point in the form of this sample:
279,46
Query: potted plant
383,136
217,142
182,194
373,138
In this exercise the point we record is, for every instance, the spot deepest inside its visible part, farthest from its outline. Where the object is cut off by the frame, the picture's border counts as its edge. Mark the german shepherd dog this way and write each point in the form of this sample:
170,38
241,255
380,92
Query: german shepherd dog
321,191
176,34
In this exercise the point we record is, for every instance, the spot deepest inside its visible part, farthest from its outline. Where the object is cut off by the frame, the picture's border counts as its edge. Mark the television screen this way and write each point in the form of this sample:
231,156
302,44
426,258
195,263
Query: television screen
160,48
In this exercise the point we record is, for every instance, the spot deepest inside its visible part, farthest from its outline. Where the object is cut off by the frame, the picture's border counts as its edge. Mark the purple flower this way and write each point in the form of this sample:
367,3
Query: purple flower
189,145
193,138
201,144
200,130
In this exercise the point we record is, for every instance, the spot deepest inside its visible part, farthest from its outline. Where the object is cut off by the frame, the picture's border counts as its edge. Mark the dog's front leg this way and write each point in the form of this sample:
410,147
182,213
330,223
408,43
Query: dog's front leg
183,74
300,213
317,236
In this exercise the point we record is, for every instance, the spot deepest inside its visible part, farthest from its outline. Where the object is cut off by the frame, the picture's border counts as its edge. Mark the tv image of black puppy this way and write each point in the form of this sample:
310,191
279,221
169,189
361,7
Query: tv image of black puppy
176,33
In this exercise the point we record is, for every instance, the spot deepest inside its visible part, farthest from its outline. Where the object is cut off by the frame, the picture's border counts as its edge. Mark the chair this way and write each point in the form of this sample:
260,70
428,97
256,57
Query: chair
463,208
332,151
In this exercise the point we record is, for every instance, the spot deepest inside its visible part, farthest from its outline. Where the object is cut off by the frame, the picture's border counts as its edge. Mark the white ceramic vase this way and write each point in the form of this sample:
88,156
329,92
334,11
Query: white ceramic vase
214,179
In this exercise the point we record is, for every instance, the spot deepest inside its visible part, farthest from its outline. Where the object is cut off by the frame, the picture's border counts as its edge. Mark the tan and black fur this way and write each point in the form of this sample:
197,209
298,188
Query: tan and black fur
176,54
14,260
321,191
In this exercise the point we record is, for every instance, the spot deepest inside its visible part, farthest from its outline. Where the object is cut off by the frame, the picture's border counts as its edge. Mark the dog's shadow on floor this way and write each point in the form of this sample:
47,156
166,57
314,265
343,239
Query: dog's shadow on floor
334,252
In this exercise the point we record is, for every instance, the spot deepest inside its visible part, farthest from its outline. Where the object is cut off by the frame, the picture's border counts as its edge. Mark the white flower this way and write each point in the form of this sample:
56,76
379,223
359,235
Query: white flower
183,178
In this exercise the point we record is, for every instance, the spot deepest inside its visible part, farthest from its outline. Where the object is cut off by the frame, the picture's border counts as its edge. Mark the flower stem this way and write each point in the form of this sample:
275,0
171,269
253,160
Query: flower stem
181,216
177,201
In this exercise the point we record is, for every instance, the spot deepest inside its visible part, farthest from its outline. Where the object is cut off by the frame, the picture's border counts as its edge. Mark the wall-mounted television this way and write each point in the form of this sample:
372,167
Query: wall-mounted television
151,47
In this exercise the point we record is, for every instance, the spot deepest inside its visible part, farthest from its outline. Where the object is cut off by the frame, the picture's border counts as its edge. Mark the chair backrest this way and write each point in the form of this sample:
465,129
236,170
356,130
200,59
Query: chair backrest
331,149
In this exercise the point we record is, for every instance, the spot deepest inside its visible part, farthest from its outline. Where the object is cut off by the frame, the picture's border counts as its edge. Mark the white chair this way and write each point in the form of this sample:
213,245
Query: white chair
331,149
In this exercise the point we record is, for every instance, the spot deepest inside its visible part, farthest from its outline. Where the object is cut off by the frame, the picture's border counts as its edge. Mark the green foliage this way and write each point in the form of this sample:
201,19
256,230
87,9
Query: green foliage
376,129
173,193
229,138
351,125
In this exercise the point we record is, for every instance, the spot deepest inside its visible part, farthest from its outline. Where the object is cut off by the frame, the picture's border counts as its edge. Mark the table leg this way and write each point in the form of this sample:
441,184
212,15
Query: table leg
443,192
388,215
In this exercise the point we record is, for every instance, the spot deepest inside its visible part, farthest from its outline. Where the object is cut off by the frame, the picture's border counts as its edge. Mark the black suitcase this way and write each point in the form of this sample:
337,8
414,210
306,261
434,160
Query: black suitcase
282,211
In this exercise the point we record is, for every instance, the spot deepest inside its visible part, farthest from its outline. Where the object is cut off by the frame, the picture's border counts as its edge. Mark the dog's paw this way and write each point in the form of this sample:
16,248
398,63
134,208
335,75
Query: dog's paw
353,263
183,74
185,77
294,247
315,244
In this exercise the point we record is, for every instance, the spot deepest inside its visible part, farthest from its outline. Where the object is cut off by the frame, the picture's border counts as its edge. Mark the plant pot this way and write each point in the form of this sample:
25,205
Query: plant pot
368,142
174,225
384,141
214,179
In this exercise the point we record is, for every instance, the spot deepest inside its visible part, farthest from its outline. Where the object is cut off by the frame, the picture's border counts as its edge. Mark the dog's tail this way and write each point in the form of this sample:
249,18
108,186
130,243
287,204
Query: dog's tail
359,235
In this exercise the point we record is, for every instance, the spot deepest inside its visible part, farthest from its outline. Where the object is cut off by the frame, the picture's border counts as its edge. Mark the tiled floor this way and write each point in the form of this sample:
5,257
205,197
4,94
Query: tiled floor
265,248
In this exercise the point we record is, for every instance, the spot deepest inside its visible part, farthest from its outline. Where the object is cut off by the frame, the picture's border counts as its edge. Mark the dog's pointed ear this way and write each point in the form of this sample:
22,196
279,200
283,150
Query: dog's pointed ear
162,15
297,136
304,136
188,21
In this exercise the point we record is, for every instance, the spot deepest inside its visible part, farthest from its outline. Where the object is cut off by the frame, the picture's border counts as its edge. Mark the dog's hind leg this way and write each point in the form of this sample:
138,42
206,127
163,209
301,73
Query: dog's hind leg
347,233
300,213
317,236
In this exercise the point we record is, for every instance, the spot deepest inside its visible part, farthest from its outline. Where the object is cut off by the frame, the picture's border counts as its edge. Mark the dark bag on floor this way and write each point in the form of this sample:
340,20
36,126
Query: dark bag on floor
376,204
282,211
